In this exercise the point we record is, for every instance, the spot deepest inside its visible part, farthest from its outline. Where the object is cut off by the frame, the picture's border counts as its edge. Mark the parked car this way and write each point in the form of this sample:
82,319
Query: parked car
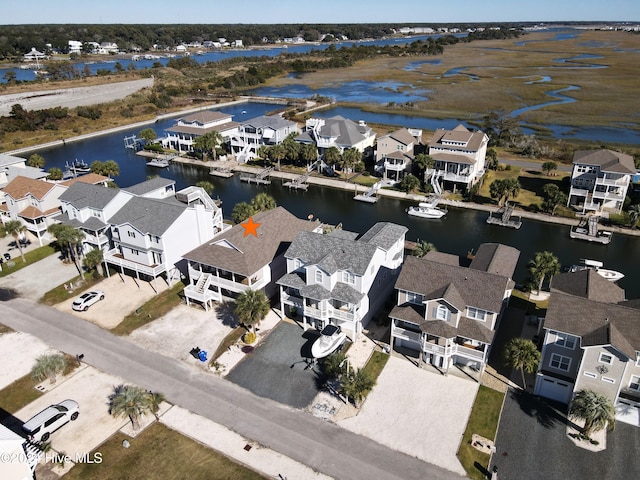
84,301
42,425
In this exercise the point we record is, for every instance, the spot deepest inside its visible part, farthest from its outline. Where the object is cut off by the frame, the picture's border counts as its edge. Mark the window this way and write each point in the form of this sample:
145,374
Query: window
590,375
637,359
560,362
135,252
318,276
442,313
348,277
297,263
413,297
131,234
606,358
608,380
476,313
566,341
635,383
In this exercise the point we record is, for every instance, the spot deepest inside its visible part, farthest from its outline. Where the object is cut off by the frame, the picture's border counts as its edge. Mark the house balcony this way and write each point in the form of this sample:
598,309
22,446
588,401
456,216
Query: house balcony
578,192
405,334
115,257
449,176
396,167
317,313
617,182
192,292
450,350
608,196
292,300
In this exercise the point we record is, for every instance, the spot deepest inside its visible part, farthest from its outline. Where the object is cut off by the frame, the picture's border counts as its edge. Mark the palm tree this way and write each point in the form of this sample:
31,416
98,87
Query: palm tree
155,399
331,155
357,385
54,174
148,135
263,202
208,143
523,354
350,157
422,248
129,401
110,168
206,186
498,189
596,410
291,147
264,153
251,307
513,188
549,167
333,365
544,264
422,162
241,211
48,366
15,228
68,238
36,161
278,153
634,215
309,153
93,259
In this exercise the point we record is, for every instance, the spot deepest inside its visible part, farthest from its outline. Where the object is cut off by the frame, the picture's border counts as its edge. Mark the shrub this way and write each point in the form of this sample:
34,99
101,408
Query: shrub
92,113
249,337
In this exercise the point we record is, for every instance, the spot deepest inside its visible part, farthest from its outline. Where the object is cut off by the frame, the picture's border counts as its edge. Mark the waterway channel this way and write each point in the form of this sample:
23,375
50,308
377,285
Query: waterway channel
460,231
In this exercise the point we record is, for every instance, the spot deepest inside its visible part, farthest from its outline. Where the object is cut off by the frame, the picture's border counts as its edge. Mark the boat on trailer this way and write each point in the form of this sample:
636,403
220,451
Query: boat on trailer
586,264
331,338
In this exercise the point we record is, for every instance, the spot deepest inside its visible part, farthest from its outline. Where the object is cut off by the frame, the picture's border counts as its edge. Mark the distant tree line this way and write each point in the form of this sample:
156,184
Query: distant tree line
16,40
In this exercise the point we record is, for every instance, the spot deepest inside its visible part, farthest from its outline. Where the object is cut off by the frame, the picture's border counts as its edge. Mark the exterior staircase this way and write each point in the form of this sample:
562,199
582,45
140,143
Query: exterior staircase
203,282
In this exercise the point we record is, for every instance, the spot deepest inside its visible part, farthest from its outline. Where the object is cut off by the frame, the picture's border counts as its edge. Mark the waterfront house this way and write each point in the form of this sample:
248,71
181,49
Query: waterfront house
152,231
19,457
338,132
181,136
35,56
33,202
12,167
591,341
394,153
263,130
449,308
234,262
600,180
459,156
340,279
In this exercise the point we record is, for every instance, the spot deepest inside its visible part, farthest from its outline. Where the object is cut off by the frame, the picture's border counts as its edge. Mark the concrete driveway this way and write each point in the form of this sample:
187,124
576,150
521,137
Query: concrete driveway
91,389
276,369
532,443
34,281
421,413
123,295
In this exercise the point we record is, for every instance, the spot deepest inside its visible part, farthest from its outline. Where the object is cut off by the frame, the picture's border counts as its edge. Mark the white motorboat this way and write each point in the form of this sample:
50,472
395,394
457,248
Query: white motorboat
330,339
426,210
586,264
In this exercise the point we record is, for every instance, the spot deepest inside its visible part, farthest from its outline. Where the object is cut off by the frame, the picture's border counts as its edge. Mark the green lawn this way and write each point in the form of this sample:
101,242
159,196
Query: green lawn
483,421
17,395
30,257
375,365
150,311
60,294
159,452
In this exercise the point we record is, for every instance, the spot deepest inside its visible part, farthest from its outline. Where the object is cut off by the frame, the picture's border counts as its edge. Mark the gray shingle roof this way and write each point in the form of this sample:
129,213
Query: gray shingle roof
588,284
83,195
459,134
345,293
477,288
597,323
315,292
384,234
401,135
149,186
278,228
148,215
496,258
275,122
607,160
346,132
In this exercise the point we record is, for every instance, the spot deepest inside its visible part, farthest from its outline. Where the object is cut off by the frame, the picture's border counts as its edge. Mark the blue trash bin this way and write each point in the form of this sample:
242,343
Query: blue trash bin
202,355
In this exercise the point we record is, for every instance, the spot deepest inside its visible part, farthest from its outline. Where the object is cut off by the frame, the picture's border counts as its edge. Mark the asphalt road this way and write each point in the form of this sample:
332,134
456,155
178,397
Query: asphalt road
319,444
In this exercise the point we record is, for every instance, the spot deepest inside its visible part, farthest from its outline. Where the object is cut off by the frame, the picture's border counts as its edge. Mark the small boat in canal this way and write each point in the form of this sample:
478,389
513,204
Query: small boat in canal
426,210
586,264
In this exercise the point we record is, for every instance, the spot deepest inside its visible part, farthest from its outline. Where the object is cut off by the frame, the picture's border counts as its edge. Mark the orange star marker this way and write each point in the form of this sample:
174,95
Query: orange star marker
250,227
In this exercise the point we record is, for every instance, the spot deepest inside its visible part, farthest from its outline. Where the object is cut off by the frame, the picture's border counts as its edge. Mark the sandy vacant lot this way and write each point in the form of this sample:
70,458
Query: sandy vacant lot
19,352
72,97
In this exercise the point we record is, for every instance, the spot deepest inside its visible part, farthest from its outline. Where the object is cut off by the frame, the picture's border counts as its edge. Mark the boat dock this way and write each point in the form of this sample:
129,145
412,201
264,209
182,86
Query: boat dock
504,217
261,178
221,172
133,142
299,183
369,196
589,231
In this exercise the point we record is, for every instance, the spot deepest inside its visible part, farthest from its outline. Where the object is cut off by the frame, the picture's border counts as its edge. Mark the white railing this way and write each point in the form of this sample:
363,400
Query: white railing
608,196
316,313
342,315
620,182
191,292
292,300
398,167
581,192
469,352
455,349
404,334
237,286
111,257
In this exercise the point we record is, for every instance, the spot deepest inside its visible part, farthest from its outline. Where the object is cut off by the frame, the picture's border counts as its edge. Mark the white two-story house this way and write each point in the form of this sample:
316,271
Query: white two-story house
394,153
600,180
338,132
12,167
459,156
181,136
263,130
340,279
151,233
448,309
233,262
591,341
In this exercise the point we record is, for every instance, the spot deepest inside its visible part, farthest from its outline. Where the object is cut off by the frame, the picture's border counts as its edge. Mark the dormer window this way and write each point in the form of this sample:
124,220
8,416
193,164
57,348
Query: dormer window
348,277
319,276
476,314
415,298
443,313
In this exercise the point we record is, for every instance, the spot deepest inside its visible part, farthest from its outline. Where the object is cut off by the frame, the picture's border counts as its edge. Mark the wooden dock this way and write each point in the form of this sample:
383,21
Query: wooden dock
221,172
299,183
369,196
504,218
261,178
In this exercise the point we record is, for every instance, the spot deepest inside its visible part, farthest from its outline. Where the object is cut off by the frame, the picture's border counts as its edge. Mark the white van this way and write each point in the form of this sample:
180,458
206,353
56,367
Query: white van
42,425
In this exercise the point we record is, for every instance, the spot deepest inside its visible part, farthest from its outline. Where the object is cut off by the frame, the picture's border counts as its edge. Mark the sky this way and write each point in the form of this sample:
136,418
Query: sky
323,11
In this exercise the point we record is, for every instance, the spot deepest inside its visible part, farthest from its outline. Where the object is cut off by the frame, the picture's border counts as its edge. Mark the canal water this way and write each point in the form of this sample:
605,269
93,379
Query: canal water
460,231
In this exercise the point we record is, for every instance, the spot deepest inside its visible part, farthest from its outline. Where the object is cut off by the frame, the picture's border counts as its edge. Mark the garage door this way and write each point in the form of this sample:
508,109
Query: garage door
555,389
